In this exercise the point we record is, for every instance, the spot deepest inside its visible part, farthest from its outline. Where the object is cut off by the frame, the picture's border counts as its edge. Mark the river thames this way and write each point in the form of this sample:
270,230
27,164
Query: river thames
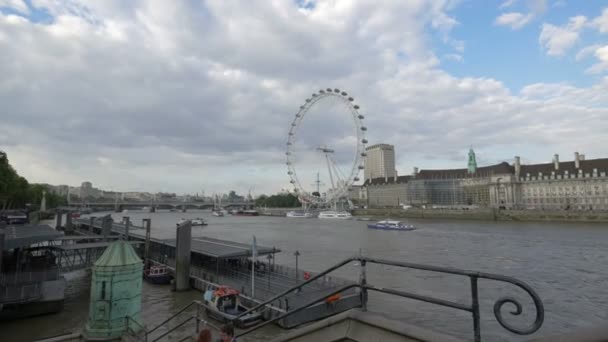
564,262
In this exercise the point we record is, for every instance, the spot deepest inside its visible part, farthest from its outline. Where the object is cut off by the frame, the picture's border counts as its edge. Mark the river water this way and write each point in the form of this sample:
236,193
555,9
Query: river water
566,263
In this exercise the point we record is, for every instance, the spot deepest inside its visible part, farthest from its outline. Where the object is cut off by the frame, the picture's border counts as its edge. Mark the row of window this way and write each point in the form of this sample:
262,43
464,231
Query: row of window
566,201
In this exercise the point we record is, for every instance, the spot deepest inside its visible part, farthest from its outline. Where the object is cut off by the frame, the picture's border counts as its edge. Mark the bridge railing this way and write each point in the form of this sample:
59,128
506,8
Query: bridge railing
472,308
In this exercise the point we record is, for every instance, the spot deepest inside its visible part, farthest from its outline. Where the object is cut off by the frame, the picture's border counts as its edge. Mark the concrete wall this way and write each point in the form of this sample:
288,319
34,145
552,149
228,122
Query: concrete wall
489,214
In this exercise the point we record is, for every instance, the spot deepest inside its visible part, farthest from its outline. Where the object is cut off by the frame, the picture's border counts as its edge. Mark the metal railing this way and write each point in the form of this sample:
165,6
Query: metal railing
193,318
473,307
140,334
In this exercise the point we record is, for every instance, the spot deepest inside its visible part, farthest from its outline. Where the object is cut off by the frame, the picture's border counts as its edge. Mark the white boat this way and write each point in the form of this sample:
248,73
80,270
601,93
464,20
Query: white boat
195,222
299,214
217,213
330,214
391,225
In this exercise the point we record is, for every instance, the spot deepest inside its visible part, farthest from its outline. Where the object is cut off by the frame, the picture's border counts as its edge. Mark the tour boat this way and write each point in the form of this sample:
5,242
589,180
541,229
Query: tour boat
299,214
391,225
224,305
157,275
330,214
247,213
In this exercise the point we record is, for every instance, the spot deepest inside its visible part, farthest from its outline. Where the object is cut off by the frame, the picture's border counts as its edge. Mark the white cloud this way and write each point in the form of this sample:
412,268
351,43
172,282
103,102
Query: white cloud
601,54
557,40
453,57
17,5
179,96
601,22
515,20
586,52
507,3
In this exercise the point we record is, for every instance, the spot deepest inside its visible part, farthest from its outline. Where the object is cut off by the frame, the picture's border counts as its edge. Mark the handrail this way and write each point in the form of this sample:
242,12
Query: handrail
132,332
172,317
174,328
473,308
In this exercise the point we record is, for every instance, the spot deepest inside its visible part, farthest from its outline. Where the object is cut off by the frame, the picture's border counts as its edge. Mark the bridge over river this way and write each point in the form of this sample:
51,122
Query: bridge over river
152,206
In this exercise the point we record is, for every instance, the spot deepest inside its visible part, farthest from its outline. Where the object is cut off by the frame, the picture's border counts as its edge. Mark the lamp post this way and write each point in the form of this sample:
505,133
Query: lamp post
297,254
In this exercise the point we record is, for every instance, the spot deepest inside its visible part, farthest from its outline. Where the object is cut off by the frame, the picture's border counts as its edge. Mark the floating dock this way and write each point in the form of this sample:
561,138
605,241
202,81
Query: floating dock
215,262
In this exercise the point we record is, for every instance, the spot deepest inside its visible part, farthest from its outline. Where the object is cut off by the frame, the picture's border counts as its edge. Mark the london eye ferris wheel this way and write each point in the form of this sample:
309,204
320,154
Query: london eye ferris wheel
340,170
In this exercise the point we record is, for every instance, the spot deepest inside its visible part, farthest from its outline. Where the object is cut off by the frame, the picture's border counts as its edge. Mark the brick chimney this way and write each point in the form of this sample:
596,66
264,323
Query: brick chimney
577,160
517,165
556,161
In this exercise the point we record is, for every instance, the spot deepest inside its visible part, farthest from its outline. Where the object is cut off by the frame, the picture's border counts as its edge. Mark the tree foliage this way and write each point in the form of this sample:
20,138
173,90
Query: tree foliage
16,192
278,201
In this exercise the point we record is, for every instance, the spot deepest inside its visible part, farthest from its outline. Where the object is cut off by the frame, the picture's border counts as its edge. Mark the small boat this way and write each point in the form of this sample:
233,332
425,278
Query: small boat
199,221
330,214
195,222
157,275
224,305
391,225
247,213
299,214
13,217
217,213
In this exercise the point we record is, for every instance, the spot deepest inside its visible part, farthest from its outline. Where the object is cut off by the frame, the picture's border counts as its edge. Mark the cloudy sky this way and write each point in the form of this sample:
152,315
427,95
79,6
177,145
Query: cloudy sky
184,96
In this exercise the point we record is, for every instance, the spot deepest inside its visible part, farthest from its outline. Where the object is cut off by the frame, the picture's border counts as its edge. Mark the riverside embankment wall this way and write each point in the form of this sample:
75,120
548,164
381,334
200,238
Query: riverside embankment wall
488,214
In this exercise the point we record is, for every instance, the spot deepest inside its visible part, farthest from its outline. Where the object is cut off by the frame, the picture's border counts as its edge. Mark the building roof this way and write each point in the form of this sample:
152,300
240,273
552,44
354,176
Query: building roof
119,253
216,248
89,245
25,235
484,171
380,146
586,165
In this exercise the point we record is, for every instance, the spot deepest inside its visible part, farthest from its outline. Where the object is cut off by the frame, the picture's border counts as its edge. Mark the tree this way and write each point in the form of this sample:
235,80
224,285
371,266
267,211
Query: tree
232,196
278,201
16,192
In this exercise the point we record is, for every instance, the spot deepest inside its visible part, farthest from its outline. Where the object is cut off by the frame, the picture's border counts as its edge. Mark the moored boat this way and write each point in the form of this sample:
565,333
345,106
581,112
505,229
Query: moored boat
299,214
13,217
224,304
247,213
159,275
330,214
217,213
391,225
